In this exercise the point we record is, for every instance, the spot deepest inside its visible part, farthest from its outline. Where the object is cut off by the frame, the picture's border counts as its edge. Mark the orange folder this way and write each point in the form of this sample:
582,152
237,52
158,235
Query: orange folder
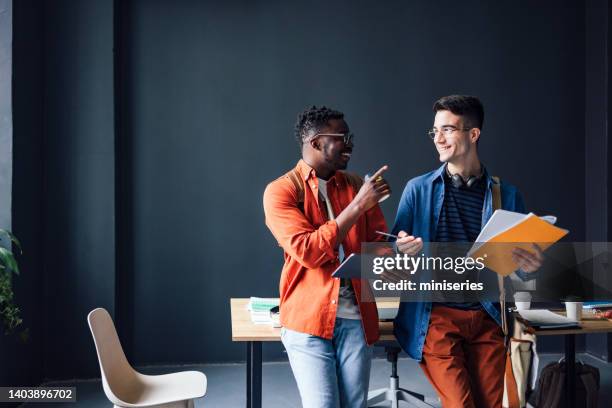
497,251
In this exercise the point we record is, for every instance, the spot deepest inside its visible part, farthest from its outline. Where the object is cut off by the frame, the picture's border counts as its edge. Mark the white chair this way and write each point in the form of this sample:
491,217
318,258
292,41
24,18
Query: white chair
125,387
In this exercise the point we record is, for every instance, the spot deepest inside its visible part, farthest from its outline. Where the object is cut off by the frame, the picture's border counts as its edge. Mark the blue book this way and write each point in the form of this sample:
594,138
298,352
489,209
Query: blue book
597,305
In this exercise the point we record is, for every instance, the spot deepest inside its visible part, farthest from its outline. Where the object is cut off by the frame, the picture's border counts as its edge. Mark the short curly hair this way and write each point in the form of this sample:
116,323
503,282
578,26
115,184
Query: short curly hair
313,118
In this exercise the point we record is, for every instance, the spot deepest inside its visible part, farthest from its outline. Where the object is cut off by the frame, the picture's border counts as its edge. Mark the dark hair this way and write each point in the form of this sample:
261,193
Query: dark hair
313,118
469,107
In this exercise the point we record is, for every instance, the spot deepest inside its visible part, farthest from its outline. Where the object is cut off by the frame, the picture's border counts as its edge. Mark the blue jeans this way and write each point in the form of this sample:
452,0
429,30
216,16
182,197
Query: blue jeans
331,373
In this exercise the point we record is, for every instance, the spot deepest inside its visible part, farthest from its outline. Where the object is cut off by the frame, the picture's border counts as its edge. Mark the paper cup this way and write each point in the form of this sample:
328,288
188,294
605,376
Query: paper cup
574,310
522,300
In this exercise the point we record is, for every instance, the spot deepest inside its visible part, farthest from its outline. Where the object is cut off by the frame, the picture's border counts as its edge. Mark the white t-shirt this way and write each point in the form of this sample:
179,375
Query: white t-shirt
347,303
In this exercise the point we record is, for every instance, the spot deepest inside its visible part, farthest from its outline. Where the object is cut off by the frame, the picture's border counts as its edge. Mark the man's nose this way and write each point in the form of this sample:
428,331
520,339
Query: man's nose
439,137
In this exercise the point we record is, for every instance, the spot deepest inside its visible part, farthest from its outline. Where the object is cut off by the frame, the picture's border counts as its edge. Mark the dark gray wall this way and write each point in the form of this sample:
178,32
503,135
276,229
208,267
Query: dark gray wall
79,200
152,163
64,179
214,91
21,363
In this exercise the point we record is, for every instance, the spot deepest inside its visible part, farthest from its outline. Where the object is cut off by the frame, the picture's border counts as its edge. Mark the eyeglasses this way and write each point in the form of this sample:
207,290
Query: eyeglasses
447,130
347,138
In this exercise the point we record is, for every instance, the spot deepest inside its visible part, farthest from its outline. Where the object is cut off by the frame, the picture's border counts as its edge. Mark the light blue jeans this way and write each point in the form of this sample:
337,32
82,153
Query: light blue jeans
331,373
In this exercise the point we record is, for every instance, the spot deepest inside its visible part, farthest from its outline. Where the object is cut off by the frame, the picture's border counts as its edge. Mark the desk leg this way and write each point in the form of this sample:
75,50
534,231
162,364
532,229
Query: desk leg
570,369
253,374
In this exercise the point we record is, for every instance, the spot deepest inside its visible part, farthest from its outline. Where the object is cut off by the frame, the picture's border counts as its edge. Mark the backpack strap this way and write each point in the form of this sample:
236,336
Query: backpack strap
511,387
591,387
496,187
497,205
295,178
354,180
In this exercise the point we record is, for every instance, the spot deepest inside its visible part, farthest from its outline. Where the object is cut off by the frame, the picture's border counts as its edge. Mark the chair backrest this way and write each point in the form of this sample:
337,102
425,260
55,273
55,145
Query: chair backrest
119,379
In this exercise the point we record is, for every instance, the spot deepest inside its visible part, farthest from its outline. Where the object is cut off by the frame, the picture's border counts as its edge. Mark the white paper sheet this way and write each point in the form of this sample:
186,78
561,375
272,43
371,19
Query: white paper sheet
545,317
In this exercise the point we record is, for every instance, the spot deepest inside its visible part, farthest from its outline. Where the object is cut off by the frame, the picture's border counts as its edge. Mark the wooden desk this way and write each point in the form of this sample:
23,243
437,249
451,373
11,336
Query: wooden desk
587,326
254,334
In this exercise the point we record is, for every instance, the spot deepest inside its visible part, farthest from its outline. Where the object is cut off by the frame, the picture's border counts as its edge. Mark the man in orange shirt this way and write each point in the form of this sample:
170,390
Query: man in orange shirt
319,214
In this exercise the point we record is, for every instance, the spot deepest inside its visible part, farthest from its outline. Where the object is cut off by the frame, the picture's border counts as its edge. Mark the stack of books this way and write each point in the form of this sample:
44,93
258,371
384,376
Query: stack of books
260,310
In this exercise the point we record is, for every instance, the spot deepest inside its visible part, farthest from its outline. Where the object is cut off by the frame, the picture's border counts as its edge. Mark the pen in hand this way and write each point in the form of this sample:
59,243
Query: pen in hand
387,235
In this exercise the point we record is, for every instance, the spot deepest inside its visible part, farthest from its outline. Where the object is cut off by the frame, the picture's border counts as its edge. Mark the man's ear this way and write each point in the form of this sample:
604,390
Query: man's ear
474,135
314,143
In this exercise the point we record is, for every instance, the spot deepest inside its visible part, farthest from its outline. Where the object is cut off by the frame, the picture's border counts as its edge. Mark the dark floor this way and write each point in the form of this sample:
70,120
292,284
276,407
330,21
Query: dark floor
226,383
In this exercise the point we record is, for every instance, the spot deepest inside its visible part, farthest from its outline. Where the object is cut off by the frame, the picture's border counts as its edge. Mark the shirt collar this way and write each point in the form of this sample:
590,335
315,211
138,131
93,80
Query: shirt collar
439,174
307,172
488,179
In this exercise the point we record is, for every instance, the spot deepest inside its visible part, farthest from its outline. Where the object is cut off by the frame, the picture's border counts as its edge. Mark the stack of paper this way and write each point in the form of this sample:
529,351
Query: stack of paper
545,319
260,309
507,230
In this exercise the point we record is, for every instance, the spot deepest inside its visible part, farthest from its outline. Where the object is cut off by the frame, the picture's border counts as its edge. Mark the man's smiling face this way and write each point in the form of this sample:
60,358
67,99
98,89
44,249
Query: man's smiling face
334,152
452,142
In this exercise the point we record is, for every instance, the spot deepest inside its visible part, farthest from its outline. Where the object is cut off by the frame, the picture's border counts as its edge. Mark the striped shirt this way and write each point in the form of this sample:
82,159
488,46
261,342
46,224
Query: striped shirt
460,220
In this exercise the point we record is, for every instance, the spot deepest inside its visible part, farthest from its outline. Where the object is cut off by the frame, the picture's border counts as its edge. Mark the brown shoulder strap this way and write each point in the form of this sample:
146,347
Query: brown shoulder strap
294,176
510,380
497,205
500,279
354,180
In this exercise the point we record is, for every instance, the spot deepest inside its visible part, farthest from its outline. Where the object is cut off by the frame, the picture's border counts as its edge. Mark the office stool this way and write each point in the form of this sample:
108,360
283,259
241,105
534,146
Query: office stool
394,393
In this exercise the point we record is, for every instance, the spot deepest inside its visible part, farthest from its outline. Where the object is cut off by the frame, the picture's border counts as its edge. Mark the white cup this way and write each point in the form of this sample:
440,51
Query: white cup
522,300
574,310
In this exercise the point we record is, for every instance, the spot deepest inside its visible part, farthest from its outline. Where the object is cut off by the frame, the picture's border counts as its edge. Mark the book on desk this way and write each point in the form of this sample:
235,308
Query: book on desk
544,319
264,311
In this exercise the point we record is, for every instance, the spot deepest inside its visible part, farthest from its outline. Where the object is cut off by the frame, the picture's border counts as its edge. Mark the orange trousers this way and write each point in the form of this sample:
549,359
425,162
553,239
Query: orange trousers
464,358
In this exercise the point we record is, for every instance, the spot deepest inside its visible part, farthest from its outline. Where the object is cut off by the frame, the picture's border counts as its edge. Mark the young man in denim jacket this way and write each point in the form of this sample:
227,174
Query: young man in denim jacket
460,346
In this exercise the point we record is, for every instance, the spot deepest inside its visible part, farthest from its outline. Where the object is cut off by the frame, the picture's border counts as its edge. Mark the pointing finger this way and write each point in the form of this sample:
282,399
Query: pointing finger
379,172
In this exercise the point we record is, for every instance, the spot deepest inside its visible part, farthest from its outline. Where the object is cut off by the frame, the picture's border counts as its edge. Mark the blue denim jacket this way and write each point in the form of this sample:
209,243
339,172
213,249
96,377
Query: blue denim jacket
418,214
